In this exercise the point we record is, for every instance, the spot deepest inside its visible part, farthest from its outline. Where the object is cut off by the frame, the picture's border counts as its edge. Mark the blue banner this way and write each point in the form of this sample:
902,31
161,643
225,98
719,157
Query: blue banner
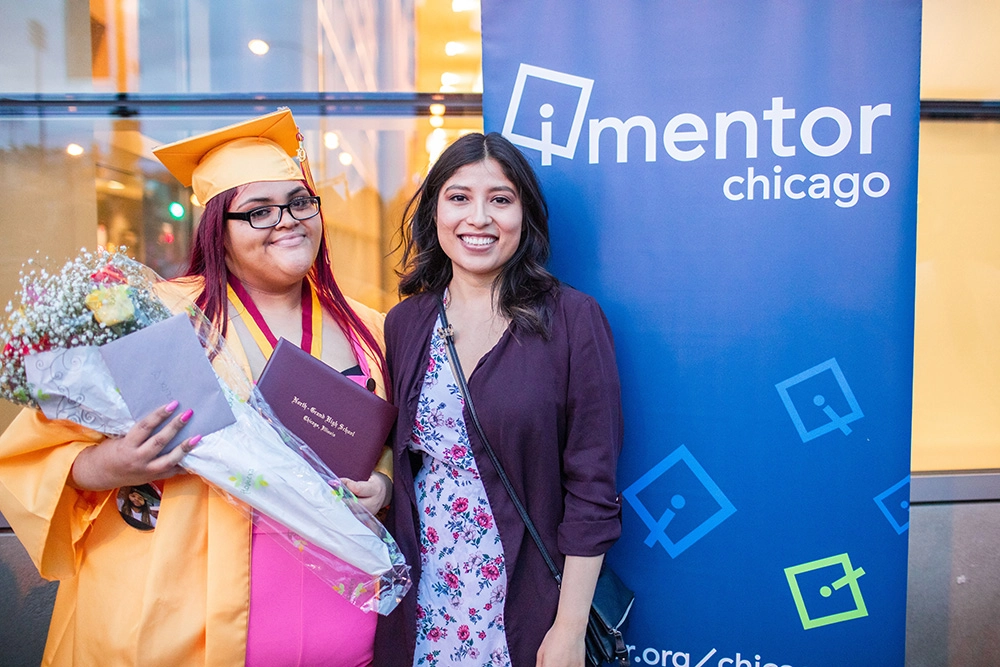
736,184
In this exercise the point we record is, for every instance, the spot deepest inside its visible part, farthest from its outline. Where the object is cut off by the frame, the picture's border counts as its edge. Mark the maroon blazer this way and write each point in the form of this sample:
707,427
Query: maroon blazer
552,412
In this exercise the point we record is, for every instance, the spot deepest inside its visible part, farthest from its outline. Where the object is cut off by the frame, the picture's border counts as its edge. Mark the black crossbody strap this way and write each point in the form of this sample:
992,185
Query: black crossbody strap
448,334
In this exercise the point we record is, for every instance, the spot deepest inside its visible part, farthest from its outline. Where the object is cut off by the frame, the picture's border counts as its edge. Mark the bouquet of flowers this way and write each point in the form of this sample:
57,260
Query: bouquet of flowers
51,360
93,300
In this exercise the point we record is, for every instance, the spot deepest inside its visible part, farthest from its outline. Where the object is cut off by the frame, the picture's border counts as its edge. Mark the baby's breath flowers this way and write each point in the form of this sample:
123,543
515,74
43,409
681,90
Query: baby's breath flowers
94,299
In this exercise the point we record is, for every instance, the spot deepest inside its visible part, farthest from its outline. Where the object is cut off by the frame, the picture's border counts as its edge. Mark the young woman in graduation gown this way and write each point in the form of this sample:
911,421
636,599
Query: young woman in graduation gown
204,586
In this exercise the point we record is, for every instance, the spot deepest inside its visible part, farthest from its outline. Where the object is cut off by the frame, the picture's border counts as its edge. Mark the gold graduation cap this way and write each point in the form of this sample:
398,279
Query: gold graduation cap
266,148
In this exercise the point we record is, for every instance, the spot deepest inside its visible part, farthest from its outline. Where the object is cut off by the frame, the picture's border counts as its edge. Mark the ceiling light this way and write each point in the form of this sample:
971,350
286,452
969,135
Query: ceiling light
345,159
258,46
331,140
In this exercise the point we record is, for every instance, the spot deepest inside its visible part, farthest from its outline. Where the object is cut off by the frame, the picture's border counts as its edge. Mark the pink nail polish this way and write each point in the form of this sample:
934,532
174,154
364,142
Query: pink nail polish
171,406
194,441
186,416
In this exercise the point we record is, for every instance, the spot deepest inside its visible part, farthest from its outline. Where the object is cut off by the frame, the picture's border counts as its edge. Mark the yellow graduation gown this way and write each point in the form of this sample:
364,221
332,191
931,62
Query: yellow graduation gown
176,595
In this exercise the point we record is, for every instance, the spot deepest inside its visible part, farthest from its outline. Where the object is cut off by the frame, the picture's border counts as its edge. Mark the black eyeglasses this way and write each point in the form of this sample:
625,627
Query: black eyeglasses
265,217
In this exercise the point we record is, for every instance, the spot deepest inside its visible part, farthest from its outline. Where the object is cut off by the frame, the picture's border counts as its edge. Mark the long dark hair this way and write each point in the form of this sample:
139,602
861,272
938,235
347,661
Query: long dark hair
208,260
523,282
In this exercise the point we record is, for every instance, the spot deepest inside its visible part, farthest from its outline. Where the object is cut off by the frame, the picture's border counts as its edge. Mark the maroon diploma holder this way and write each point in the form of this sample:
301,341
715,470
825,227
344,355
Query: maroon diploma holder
344,423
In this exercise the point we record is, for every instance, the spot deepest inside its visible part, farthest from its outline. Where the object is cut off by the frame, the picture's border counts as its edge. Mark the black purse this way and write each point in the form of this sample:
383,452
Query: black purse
613,600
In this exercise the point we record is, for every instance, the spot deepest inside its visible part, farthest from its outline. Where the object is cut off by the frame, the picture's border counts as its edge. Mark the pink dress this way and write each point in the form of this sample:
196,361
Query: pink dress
295,618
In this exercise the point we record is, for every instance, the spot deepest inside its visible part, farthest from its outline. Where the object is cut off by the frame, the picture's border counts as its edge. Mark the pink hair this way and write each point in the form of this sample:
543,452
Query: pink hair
208,260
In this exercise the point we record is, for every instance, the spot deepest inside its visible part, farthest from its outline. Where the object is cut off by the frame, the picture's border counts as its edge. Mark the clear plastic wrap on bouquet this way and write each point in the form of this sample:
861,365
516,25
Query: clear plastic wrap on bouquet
266,472
260,464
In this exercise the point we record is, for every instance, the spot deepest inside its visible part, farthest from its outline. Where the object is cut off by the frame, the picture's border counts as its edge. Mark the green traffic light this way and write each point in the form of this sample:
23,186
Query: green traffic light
176,210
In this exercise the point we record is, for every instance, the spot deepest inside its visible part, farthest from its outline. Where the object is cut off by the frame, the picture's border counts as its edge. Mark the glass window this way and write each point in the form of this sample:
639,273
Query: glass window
960,50
79,182
956,394
157,47
86,181
378,88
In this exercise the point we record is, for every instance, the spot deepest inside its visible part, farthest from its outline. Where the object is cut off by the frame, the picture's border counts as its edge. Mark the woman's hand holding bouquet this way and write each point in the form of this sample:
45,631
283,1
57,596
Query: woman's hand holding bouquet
137,457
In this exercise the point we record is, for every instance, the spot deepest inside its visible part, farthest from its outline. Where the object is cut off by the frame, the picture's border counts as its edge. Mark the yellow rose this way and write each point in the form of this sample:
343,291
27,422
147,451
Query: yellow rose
111,305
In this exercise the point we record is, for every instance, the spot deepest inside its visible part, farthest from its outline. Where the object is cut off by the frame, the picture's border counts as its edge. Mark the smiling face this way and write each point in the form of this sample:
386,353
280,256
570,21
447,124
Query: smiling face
277,258
479,220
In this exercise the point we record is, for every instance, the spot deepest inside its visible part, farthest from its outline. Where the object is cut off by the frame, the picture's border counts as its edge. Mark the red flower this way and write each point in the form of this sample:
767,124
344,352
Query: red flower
434,634
109,275
457,452
460,505
432,536
43,344
463,632
482,634
490,571
451,579
484,520
488,606
11,350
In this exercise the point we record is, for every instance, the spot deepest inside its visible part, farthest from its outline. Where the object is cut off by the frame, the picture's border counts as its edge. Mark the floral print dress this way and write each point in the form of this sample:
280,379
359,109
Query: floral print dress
461,592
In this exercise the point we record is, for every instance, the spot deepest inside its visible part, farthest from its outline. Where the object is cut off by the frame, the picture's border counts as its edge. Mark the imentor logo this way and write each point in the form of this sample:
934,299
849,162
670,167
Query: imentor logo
544,142
548,109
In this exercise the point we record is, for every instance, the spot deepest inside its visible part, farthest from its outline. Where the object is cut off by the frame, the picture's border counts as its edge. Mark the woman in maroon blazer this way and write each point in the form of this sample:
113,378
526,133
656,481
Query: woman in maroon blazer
541,371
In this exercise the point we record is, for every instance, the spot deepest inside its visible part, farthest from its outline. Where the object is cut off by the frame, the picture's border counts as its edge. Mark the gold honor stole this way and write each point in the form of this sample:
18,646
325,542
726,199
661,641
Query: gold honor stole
312,318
